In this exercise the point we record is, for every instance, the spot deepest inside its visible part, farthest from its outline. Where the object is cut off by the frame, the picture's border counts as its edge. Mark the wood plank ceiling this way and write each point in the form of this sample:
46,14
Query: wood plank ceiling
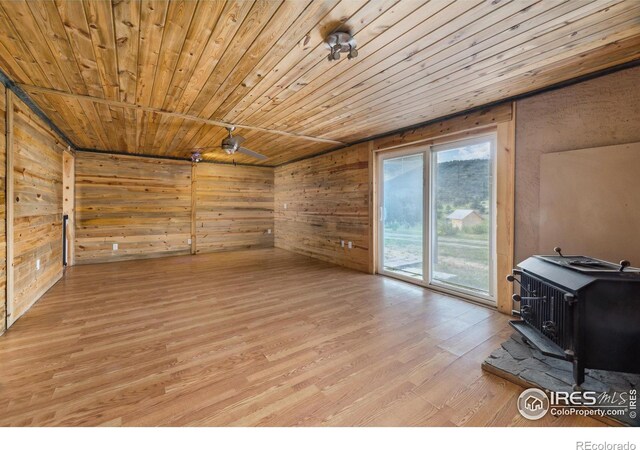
160,78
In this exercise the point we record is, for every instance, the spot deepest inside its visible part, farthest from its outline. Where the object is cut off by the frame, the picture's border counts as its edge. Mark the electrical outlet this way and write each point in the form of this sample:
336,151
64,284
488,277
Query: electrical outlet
115,246
269,231
350,244
189,241
37,264
285,206
342,244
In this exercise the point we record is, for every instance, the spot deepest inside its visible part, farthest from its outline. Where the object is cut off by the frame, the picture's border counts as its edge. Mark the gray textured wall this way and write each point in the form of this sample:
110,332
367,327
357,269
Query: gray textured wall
596,113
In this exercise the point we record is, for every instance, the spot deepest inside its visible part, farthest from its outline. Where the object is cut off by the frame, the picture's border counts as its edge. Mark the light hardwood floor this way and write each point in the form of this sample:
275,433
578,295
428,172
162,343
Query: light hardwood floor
262,337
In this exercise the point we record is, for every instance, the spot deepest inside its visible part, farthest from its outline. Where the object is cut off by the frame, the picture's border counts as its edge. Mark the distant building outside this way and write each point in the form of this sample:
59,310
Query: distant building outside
461,218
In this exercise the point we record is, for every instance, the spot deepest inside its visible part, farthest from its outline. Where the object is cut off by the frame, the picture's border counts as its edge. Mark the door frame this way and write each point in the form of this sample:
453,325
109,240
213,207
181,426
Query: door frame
426,149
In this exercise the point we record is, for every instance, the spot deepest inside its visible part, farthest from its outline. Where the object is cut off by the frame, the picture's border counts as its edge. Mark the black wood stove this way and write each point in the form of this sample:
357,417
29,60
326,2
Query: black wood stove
580,309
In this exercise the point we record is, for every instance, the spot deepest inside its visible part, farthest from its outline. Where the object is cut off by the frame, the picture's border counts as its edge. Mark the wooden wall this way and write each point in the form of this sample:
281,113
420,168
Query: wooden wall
69,202
3,235
37,209
150,208
327,200
234,207
142,204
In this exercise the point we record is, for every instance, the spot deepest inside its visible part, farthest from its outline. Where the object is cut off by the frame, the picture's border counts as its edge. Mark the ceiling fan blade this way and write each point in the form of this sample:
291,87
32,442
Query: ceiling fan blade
246,151
239,140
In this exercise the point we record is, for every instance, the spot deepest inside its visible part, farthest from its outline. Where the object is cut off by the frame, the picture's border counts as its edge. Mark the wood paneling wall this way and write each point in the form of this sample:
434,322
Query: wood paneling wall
3,234
327,201
150,208
234,207
142,204
37,205
69,202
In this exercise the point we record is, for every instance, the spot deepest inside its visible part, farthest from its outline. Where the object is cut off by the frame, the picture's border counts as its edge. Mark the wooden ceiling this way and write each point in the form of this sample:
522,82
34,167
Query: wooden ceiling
161,78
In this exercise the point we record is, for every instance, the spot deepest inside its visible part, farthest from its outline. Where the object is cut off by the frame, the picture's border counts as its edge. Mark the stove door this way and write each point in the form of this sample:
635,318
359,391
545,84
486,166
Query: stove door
544,307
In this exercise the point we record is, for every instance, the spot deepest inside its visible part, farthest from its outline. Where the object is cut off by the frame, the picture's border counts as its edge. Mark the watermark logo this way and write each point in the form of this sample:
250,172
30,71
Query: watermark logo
533,404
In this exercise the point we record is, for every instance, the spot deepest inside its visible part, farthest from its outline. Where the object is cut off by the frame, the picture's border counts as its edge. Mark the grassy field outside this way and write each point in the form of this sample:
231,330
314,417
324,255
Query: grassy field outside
461,259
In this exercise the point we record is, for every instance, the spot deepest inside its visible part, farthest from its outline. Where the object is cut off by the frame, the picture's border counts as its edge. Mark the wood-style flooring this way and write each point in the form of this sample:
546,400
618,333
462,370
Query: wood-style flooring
262,337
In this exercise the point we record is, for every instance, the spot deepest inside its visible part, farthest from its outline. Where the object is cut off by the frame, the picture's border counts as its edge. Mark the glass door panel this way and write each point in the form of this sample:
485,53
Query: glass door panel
461,256
402,215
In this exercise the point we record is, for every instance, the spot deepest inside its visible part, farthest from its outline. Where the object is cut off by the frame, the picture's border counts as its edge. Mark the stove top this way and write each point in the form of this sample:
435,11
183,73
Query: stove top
586,264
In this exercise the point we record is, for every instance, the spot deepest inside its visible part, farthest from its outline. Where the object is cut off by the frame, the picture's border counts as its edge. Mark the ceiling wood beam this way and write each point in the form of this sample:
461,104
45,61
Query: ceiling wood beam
22,95
47,91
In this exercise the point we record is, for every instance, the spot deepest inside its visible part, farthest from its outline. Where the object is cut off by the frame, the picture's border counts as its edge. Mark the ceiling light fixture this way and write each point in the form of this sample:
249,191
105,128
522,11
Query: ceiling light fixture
196,157
341,42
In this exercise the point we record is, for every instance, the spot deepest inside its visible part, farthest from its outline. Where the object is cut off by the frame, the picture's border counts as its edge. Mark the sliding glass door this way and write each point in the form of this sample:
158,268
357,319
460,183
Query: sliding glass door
437,216
462,216
402,214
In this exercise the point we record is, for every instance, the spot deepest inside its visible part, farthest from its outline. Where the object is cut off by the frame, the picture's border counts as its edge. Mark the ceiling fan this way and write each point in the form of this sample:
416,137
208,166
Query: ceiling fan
231,144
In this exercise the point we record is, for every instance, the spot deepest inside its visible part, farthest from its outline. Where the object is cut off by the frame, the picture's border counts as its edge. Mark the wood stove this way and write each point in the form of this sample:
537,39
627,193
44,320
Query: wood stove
580,309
